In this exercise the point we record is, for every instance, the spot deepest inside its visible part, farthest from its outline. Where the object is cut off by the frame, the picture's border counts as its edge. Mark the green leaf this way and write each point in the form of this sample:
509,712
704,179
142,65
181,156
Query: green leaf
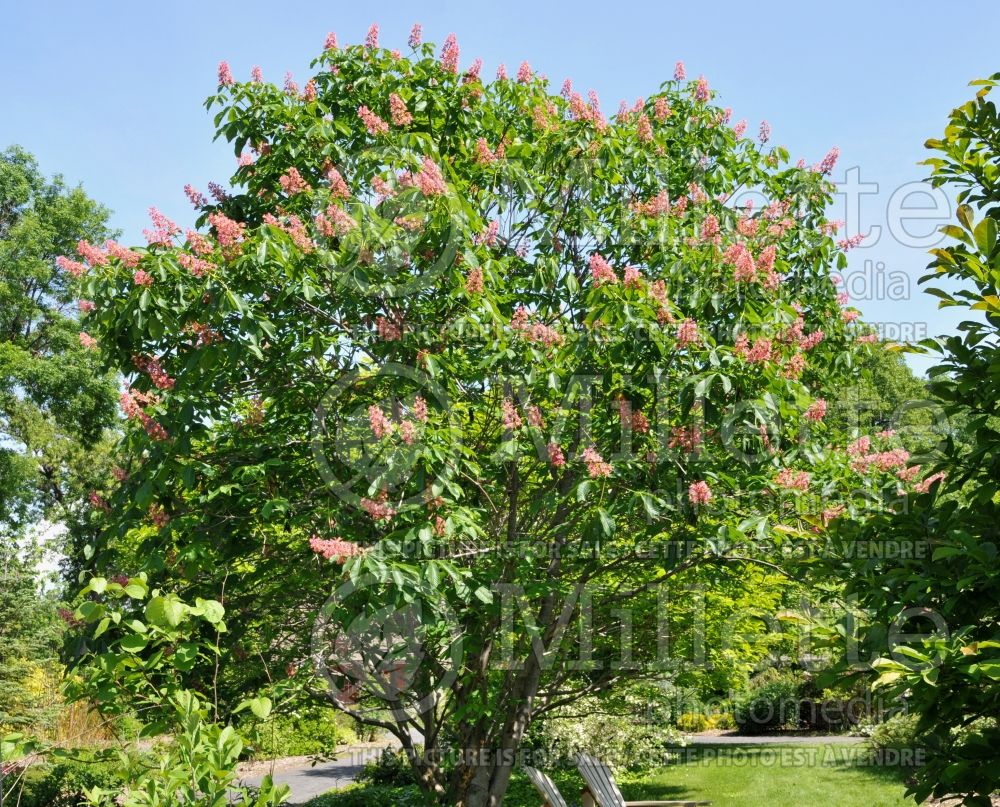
211,610
133,643
166,611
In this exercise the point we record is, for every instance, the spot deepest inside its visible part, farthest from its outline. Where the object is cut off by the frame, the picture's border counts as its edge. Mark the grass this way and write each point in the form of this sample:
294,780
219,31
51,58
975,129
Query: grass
726,775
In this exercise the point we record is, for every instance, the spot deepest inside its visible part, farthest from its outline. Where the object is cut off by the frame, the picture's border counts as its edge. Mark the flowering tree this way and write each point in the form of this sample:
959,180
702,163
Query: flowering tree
490,365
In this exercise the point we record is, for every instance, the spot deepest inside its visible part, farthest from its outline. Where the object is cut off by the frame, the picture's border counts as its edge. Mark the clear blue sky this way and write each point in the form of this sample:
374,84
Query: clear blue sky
109,93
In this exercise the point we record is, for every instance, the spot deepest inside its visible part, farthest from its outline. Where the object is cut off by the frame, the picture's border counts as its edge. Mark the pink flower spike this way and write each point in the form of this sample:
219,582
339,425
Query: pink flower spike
699,493
416,33
331,41
449,54
816,411
371,40
679,72
225,74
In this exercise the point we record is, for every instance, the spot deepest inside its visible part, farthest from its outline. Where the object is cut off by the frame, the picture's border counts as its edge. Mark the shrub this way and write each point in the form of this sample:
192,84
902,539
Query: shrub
899,731
391,769
723,721
367,795
62,784
628,733
773,704
314,731
693,722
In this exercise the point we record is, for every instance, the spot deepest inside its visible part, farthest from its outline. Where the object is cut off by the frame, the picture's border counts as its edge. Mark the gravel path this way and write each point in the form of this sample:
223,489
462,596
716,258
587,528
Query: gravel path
308,780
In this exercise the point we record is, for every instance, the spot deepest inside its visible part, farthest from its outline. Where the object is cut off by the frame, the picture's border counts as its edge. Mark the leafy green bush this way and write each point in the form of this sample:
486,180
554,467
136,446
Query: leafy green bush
313,731
723,721
391,769
771,705
62,784
629,730
361,795
899,731
693,722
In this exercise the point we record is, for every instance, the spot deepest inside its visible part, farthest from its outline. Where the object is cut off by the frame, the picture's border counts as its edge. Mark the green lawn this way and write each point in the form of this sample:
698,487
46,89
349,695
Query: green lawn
776,776
728,776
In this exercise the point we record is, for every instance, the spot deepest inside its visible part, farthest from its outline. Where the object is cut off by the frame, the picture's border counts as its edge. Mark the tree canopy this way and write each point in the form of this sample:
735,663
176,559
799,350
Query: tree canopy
487,365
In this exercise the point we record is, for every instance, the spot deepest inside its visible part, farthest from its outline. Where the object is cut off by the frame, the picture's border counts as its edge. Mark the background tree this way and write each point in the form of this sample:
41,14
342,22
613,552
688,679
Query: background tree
491,366
30,637
949,593
55,405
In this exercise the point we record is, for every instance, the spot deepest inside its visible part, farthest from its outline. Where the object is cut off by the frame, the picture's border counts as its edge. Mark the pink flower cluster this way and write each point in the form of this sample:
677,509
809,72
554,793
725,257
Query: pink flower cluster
95,256
847,244
373,123
524,73
687,333
150,365
511,418
596,466
699,493
338,186
196,266
225,74
644,130
416,34
335,549
388,330
556,457
400,114
379,509
292,182
132,404
633,278
428,179
488,237
881,460
449,54
196,197
829,161
634,420
686,438
88,341
335,221
601,271
925,485
738,255
534,332
485,155
75,268
164,230
371,40
474,281
790,479
701,91
816,411
227,231
296,230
